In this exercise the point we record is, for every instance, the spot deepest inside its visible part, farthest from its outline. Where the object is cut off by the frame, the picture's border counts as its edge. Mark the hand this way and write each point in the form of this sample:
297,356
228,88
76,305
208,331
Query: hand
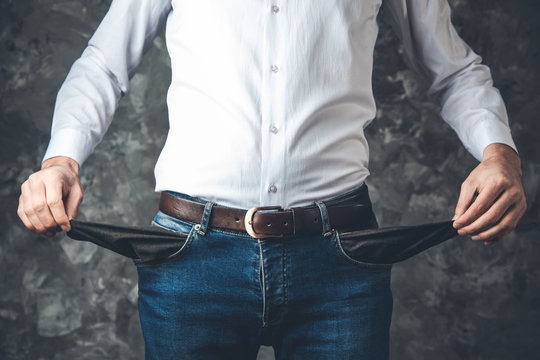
50,197
500,199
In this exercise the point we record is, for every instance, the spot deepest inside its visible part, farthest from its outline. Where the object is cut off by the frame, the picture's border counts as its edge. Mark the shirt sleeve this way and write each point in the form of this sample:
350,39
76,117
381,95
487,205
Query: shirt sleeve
470,104
89,96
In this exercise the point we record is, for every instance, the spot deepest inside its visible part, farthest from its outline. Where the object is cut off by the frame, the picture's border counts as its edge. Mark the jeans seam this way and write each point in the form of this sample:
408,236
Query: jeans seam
262,281
284,272
228,232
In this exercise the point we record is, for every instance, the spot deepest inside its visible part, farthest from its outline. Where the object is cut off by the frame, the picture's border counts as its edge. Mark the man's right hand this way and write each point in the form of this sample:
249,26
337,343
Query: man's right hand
51,196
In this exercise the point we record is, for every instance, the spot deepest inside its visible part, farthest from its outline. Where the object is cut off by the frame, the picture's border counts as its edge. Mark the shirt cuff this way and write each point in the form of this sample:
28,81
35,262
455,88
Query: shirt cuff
70,142
489,131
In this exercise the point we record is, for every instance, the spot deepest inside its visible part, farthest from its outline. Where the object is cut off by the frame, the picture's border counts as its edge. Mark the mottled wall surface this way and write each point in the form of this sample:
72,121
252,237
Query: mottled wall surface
62,299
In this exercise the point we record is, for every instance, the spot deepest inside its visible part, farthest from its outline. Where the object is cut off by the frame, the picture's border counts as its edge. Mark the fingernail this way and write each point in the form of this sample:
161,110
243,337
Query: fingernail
65,228
455,217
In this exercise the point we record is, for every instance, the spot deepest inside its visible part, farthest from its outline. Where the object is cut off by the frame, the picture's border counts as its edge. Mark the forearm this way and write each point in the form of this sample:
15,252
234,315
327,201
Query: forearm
471,105
84,108
89,96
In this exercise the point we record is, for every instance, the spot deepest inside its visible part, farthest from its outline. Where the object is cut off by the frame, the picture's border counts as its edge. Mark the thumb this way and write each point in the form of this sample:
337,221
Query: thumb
73,200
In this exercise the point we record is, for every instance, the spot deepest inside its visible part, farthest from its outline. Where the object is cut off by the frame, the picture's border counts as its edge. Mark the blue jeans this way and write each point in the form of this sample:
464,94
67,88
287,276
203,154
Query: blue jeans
224,294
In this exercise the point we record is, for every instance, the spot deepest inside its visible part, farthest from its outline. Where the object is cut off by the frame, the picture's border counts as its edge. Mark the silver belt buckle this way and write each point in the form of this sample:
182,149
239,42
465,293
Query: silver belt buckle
248,221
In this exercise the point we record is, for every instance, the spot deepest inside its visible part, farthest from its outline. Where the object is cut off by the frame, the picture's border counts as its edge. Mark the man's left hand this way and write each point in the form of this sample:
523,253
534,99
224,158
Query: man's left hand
500,199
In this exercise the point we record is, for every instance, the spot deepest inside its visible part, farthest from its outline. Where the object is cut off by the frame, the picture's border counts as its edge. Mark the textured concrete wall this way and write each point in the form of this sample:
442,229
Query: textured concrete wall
61,299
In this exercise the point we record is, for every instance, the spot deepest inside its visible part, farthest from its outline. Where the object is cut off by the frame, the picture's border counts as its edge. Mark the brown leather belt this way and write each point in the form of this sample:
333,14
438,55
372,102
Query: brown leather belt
272,221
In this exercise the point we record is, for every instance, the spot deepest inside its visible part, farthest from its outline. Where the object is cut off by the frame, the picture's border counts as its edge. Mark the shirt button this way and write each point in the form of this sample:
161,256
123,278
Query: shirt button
273,129
275,8
272,188
274,68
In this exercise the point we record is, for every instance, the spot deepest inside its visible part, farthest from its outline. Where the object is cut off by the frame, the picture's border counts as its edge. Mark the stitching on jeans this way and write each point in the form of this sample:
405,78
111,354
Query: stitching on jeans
263,285
230,233
284,269
324,215
209,228
360,264
205,221
177,221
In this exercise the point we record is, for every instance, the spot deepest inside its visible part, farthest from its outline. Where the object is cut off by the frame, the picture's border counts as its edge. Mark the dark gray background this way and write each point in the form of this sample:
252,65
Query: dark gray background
61,299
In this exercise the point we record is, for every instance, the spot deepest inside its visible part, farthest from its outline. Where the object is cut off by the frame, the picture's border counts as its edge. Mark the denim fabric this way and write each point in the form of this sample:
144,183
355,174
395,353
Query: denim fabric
297,280
224,294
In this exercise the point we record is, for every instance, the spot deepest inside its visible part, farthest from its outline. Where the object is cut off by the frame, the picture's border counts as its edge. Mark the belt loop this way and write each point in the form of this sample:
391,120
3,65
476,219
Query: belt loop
324,218
206,217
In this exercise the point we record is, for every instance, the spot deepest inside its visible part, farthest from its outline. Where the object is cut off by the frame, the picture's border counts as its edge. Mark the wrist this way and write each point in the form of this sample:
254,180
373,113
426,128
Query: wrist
61,161
504,153
499,150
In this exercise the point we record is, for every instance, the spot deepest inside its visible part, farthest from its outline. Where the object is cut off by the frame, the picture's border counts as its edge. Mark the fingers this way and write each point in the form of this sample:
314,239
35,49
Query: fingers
73,200
491,216
36,208
507,224
465,198
28,209
22,215
42,208
500,202
481,204
53,195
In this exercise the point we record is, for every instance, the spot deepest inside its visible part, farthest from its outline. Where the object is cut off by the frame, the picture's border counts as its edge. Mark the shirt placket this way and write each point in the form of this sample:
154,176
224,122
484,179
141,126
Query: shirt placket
272,137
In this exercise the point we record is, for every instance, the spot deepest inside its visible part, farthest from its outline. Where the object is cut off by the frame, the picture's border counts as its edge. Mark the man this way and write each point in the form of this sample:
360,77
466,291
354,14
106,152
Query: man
267,107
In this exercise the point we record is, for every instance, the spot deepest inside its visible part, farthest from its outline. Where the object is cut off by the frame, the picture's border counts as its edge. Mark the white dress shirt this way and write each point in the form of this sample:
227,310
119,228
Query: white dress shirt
269,99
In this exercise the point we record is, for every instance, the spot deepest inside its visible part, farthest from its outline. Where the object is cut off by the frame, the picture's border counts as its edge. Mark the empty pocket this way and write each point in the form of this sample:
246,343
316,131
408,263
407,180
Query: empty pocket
386,246
142,244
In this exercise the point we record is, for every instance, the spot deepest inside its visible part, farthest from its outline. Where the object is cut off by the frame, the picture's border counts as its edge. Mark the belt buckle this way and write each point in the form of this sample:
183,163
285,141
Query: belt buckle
248,221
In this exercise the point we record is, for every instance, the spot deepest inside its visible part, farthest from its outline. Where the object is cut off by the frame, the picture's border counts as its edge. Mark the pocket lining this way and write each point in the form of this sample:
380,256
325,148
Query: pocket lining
360,264
177,254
